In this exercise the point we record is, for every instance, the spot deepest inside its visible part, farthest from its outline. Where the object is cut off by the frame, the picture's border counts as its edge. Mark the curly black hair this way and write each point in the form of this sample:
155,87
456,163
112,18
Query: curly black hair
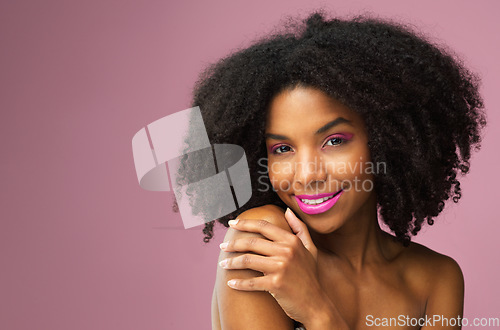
421,106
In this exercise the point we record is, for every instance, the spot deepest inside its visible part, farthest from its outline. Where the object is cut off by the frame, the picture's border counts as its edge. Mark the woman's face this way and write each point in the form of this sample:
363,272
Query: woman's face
318,159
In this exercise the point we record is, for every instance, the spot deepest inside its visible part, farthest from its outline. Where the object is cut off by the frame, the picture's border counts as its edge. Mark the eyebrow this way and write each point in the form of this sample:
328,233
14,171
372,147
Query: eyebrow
333,123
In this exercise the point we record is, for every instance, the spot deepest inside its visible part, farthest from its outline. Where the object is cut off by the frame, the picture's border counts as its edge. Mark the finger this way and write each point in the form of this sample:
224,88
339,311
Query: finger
261,264
253,244
263,227
249,284
300,229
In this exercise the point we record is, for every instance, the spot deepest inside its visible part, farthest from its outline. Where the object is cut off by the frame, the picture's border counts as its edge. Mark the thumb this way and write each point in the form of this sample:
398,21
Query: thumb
300,229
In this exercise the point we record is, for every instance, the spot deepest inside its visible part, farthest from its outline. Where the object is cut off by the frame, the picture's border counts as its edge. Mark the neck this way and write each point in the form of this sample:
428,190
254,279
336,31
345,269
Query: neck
359,241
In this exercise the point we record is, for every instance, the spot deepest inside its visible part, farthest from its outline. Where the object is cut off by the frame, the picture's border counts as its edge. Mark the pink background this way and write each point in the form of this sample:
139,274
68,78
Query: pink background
82,246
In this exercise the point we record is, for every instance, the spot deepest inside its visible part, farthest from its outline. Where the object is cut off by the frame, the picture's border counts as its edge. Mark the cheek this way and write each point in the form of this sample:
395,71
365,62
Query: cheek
281,175
360,174
351,167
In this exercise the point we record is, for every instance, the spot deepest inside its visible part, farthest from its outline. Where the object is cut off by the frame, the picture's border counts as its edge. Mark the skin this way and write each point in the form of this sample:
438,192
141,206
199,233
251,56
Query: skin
333,270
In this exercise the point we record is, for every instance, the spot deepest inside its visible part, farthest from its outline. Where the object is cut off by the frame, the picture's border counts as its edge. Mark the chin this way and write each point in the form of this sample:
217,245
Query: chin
321,225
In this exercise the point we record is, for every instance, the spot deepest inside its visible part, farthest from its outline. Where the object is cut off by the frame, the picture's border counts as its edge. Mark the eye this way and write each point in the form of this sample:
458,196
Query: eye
281,149
335,140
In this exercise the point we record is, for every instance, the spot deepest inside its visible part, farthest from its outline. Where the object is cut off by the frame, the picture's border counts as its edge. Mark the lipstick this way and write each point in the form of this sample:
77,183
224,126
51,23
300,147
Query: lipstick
321,207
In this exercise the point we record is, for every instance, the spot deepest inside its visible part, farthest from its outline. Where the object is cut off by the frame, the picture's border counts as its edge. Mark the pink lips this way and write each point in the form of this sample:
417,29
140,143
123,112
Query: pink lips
319,208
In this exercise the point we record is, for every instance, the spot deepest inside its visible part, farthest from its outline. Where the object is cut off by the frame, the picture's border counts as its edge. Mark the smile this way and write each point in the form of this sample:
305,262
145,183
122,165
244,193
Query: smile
315,204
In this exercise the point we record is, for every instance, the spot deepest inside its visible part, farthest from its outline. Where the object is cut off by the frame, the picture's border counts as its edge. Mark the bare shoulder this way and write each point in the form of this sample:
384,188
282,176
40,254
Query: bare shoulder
438,277
432,264
270,213
249,309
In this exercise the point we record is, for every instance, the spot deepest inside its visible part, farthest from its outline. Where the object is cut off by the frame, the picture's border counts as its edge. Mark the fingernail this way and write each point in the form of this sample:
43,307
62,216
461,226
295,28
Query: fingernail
223,263
223,245
231,283
233,222
288,210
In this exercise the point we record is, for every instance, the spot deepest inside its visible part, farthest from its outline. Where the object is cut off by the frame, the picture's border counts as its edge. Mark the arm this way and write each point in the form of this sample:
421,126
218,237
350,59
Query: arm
249,309
446,298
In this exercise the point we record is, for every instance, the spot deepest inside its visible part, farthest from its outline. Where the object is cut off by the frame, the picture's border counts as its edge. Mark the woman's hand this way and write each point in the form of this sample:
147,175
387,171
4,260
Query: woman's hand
289,264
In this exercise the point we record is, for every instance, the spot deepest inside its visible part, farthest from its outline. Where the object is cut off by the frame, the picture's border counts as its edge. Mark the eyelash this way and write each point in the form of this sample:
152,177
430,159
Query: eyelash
342,139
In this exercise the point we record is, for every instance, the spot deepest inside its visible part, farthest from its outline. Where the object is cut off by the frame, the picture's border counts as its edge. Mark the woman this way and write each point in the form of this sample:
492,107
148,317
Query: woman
352,121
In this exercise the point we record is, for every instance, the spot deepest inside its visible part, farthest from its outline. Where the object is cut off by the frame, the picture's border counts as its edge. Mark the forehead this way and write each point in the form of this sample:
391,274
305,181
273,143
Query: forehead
306,107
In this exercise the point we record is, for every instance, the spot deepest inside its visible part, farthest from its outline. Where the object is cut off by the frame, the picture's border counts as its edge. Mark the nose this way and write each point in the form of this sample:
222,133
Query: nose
310,169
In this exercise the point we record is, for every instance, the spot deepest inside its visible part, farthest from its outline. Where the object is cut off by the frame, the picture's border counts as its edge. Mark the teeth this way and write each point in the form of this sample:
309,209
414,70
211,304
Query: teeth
315,201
